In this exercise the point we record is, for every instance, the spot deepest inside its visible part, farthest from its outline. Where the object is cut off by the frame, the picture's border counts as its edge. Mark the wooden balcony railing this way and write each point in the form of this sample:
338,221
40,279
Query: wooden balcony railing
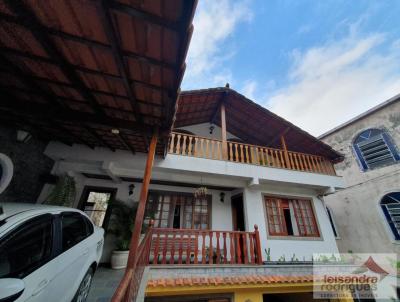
130,283
190,145
184,246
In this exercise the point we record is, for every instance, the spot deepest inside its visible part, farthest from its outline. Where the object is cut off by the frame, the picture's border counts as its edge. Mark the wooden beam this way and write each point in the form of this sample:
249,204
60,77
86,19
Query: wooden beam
137,228
283,145
223,130
56,82
36,130
57,97
278,136
16,52
103,8
92,43
29,82
74,137
185,34
99,138
146,142
126,143
23,11
148,17
218,107
48,111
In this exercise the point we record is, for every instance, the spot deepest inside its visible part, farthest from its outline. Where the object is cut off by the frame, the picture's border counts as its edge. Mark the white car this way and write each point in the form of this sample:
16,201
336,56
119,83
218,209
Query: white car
47,253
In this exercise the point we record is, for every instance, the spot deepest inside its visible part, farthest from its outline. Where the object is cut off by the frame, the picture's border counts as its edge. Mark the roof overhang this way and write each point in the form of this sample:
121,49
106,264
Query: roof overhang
74,70
247,120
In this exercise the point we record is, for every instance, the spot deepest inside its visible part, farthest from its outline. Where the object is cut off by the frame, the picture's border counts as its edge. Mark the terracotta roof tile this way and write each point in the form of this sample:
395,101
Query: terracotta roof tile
232,280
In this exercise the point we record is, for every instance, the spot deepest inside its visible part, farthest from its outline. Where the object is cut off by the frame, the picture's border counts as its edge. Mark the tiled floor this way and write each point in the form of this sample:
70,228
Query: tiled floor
104,284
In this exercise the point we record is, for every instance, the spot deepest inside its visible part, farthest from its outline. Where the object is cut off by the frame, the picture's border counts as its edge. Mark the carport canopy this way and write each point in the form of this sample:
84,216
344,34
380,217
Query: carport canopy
99,73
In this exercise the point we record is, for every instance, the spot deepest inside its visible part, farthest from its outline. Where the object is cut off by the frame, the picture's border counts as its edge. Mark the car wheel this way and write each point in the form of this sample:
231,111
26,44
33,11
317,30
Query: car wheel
84,287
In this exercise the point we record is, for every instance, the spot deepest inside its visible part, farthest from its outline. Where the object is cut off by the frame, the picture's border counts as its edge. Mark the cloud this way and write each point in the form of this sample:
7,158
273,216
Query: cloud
249,89
214,23
332,83
304,29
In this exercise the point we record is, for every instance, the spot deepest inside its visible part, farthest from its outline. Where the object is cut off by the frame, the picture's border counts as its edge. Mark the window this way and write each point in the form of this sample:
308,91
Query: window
290,217
27,248
95,203
374,148
333,224
390,205
74,230
178,210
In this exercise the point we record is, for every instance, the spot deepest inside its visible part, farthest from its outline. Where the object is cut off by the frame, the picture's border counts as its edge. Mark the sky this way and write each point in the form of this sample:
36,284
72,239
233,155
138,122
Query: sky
317,63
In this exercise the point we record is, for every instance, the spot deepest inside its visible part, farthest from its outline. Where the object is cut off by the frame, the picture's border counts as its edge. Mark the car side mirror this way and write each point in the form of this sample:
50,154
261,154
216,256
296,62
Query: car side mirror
11,289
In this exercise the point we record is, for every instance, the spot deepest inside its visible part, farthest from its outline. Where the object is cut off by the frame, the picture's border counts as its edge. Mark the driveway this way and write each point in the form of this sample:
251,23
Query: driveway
104,284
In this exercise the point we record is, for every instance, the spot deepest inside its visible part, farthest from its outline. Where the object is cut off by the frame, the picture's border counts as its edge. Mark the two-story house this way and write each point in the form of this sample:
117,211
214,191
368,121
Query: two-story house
238,186
231,192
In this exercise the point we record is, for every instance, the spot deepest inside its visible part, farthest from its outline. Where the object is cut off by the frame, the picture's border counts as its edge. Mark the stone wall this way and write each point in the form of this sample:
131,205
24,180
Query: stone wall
29,165
359,218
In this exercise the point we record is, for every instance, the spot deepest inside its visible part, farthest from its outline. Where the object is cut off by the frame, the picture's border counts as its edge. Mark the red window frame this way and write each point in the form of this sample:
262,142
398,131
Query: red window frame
303,213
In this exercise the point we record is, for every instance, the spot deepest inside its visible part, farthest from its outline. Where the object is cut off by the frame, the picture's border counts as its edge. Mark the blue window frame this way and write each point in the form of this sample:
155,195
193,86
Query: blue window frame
390,205
375,148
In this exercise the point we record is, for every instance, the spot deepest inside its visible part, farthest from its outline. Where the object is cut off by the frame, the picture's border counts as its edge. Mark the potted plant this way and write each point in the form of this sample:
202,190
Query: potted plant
63,193
121,225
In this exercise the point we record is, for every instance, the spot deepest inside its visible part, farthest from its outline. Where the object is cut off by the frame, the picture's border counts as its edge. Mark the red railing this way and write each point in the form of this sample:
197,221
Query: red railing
130,283
187,246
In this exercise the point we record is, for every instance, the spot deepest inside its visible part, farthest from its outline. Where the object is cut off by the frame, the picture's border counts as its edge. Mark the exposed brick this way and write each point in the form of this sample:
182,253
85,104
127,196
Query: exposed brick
29,164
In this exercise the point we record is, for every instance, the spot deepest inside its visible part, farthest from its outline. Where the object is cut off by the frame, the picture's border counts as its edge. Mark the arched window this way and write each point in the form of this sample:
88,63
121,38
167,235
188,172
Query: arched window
390,205
375,148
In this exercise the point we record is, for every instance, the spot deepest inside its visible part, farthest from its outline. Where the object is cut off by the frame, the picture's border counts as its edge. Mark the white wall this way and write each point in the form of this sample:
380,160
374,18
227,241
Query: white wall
221,218
204,131
201,171
124,163
221,214
255,213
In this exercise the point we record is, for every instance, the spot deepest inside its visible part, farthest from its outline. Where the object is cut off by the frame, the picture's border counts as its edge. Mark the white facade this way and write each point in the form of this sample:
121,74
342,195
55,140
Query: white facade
252,181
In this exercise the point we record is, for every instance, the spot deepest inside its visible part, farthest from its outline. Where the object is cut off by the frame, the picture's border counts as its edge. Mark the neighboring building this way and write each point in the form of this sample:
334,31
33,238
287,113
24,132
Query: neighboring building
366,213
258,170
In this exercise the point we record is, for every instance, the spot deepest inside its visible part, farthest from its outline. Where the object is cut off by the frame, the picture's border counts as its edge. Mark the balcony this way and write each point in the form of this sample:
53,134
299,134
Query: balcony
186,246
196,146
162,246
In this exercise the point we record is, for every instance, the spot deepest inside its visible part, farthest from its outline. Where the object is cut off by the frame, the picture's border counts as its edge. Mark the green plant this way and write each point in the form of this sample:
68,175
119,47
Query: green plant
63,194
294,258
268,252
282,258
121,223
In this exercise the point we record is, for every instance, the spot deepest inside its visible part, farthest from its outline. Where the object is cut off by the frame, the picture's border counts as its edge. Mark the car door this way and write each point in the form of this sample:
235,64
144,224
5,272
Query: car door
74,258
28,253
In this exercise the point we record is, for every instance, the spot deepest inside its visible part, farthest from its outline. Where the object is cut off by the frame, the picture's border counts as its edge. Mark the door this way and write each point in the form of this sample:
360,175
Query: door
75,255
28,253
95,203
237,213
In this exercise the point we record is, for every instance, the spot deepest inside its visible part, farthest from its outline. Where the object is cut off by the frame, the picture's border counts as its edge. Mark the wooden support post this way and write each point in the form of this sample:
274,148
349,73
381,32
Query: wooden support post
283,142
223,130
257,245
137,228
